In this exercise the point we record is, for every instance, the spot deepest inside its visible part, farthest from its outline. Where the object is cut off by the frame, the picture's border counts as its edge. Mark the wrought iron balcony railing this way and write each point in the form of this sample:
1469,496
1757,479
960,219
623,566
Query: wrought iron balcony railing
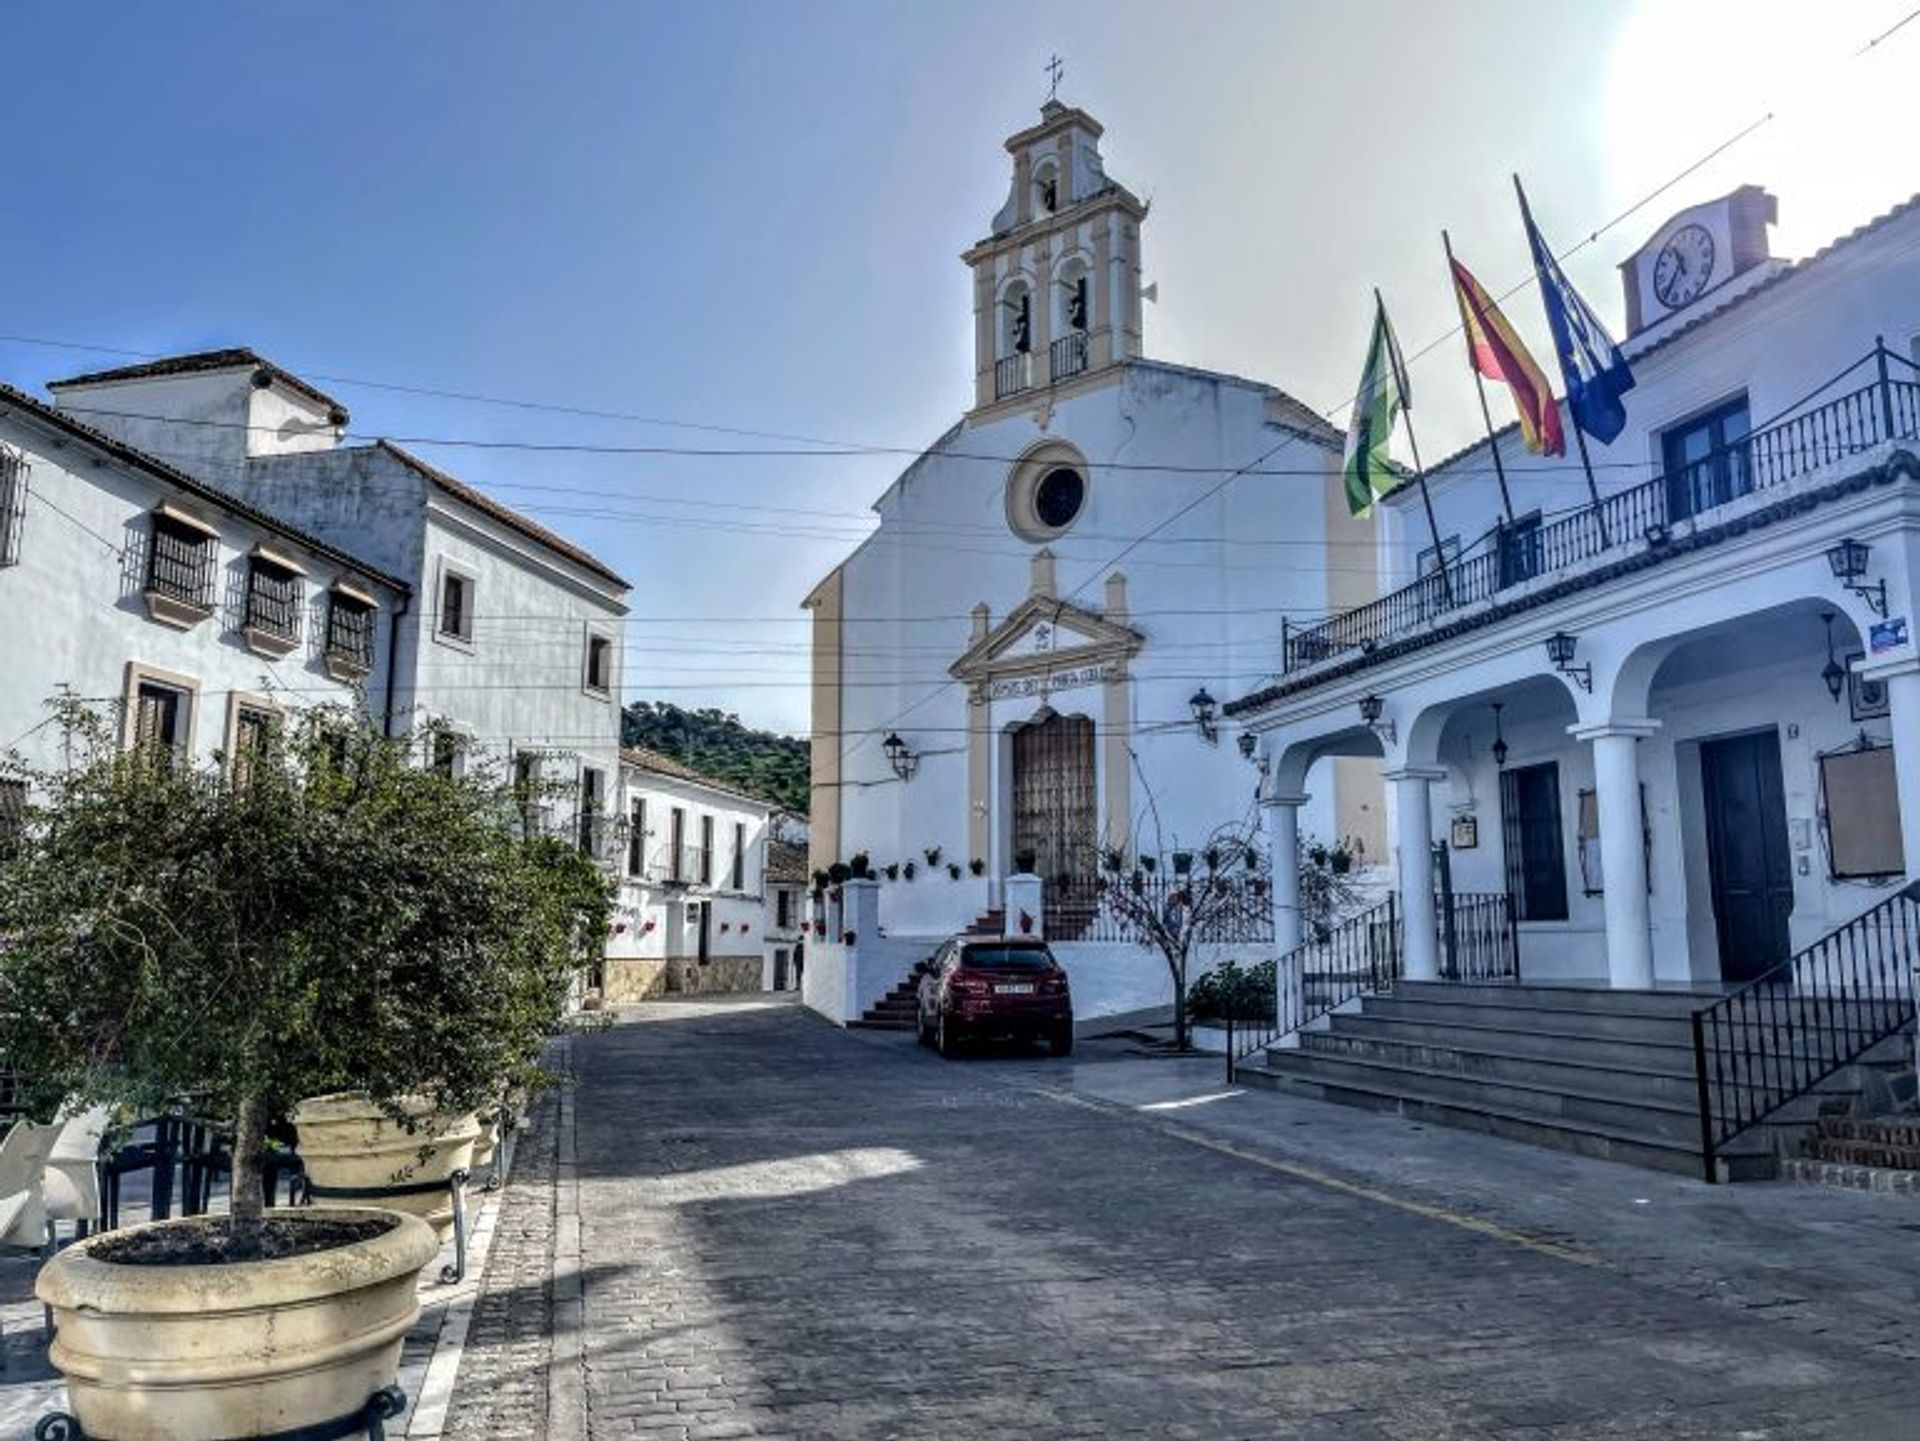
1012,374
273,601
1887,409
1067,355
350,633
180,564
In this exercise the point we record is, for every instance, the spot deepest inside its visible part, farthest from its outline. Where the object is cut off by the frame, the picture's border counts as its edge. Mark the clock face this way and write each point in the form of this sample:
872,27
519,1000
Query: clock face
1681,269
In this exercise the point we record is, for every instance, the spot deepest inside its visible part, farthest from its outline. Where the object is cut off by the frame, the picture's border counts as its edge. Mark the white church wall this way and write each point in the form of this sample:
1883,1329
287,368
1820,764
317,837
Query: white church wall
1117,979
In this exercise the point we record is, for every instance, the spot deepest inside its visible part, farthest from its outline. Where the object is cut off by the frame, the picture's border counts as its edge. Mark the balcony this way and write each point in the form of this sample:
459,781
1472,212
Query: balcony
1636,519
691,867
180,562
272,624
1012,374
1067,355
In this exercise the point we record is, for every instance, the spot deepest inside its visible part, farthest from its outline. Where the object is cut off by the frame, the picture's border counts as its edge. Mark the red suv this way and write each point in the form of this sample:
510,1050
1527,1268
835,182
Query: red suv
974,987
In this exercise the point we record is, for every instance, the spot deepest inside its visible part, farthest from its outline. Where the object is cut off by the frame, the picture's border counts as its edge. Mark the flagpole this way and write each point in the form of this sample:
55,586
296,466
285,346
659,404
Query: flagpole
1419,471
1479,381
1579,434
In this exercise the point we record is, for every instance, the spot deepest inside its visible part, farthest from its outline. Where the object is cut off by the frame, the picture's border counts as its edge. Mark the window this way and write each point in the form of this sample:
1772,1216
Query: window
637,838
180,566
676,845
160,717
1536,859
782,908
445,754
273,603
599,664
526,794
592,801
1520,551
1430,560
349,633
13,504
1706,460
739,878
13,808
456,605
250,735
706,850
1047,491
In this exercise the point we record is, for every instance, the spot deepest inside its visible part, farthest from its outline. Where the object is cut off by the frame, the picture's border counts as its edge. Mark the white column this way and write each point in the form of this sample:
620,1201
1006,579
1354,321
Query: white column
1026,907
1283,841
1413,829
1623,849
1903,696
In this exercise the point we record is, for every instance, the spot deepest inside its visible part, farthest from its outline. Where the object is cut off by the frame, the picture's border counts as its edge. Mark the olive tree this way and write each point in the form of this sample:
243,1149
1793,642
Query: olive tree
322,913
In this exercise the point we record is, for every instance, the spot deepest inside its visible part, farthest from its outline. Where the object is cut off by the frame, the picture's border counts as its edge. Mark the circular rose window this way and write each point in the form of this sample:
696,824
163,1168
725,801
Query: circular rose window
1047,492
1056,501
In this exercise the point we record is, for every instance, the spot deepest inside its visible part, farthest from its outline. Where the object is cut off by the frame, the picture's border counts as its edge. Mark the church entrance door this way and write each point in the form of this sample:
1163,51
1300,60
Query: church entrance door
1055,801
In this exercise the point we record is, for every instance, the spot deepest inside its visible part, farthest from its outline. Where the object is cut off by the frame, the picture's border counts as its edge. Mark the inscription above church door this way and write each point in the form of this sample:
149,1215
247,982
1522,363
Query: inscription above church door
1055,802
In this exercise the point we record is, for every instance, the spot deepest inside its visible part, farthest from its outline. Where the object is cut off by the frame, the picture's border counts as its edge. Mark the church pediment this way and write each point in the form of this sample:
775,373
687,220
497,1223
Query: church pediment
1044,635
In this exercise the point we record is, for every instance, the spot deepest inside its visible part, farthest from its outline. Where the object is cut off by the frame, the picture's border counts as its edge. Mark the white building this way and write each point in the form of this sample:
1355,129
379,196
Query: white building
514,640
692,911
785,886
1679,729
129,582
1099,542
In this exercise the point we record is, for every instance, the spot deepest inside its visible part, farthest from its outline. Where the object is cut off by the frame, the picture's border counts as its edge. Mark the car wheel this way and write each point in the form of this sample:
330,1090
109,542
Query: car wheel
1062,1040
948,1043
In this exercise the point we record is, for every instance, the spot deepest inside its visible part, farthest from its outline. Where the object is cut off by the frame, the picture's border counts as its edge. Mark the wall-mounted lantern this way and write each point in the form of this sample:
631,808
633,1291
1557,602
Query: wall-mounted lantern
1204,710
900,756
1849,561
1371,708
1560,647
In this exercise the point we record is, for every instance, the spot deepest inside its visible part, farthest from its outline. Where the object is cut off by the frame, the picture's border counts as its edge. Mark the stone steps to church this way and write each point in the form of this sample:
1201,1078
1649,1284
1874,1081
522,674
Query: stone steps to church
1514,1013
1565,1042
1662,1076
1577,999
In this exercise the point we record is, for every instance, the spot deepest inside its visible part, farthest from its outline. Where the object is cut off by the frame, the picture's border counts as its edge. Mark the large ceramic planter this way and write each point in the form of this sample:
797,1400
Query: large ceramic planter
355,1153
251,1348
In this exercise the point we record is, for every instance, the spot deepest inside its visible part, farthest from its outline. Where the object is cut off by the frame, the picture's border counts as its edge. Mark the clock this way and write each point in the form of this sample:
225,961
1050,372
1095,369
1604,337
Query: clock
1681,269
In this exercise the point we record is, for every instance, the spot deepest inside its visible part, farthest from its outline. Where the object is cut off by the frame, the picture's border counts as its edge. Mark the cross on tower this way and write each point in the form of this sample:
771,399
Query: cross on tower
1055,69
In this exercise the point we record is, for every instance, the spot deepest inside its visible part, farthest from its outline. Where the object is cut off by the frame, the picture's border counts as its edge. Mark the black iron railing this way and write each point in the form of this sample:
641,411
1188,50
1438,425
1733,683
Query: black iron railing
1885,409
1012,375
1067,355
273,600
350,632
1478,941
1781,1034
13,504
180,563
1357,957
1238,909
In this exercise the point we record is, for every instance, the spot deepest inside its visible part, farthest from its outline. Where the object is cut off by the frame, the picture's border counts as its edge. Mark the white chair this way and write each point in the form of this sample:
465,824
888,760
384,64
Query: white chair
71,1191
23,1169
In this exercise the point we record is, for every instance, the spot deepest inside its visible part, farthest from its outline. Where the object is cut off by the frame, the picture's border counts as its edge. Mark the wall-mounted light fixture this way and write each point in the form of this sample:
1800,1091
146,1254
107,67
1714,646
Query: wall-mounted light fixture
1204,710
1499,739
1371,707
900,756
1560,648
1833,673
1249,744
1849,561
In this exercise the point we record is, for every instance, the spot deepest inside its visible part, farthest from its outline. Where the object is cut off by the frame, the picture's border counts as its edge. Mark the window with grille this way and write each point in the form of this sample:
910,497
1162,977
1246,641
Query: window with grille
637,838
706,850
446,754
456,605
160,716
599,663
1536,861
251,739
13,504
525,788
676,845
180,562
13,808
350,632
592,784
739,856
273,599
783,908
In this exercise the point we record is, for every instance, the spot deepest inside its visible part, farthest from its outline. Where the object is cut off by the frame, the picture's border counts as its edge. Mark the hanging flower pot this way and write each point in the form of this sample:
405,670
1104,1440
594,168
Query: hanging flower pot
1182,862
977,866
847,938
648,925
1026,924
953,870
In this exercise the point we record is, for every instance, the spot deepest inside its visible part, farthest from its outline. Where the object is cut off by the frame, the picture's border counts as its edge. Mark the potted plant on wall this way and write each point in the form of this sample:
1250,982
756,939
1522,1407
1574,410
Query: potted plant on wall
859,867
327,918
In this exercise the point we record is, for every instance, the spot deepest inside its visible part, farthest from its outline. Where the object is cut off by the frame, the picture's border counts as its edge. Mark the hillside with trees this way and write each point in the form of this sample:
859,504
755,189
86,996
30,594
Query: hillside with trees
763,763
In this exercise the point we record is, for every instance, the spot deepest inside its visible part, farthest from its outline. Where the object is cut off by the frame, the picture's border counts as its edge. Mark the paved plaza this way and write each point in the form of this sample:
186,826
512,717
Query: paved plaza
783,1229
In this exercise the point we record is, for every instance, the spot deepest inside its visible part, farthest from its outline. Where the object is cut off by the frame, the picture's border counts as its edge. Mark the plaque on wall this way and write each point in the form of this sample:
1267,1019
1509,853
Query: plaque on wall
1466,833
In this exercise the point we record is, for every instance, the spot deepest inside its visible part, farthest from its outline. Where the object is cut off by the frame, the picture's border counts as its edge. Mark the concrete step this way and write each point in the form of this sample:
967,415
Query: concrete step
1515,996
1555,1043
1743,1160
1672,1028
1660,1081
881,1023
1560,1102
1883,1142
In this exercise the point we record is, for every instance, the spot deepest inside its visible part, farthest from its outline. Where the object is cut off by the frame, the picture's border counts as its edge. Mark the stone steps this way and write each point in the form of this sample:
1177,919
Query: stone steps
898,1010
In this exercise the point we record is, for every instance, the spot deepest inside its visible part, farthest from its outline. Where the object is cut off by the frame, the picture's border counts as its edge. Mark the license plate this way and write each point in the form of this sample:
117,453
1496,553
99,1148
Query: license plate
1020,990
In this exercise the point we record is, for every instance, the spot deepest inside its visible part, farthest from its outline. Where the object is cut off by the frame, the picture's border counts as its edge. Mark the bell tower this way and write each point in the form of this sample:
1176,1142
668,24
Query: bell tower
1056,285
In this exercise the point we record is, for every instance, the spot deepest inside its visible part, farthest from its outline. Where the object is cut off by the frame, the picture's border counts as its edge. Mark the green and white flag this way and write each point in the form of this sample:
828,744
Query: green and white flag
1383,395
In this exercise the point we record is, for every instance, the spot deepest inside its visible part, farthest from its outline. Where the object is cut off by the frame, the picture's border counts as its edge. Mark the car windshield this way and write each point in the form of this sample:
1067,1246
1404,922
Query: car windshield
1004,958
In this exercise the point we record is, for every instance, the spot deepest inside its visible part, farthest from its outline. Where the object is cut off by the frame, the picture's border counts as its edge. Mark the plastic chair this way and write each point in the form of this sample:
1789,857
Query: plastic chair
72,1188
23,1169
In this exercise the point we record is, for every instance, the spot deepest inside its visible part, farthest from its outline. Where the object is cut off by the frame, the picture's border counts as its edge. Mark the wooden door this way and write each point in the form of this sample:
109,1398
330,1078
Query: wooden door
1055,801
1750,870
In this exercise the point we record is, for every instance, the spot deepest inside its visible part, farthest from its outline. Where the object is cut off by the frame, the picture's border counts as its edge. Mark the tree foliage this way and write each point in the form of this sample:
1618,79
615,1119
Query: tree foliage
325,915
774,767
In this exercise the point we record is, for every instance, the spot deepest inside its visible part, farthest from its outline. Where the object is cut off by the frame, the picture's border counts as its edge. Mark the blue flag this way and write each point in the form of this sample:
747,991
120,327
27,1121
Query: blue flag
1595,371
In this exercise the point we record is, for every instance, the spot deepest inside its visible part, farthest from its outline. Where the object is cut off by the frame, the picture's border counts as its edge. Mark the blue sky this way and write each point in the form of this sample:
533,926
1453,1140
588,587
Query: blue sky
749,216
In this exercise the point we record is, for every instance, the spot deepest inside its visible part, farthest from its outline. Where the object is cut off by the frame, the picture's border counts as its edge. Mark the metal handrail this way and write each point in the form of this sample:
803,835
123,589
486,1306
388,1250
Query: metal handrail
1882,410
1785,1031
1359,956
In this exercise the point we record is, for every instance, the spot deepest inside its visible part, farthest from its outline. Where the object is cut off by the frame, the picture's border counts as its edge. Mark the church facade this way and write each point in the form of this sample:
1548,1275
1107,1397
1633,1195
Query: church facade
1015,672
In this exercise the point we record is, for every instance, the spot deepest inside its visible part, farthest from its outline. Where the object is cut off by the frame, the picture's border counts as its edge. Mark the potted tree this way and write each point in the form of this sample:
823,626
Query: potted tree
319,916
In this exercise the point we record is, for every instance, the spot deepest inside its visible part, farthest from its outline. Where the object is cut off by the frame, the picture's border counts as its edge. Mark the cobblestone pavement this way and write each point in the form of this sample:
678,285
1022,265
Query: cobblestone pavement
789,1230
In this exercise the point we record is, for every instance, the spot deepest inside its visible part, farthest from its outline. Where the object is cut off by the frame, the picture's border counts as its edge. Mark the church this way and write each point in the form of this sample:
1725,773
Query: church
1017,671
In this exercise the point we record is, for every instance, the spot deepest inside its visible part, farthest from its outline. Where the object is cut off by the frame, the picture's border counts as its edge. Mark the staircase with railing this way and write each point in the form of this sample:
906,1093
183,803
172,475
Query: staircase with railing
1761,1047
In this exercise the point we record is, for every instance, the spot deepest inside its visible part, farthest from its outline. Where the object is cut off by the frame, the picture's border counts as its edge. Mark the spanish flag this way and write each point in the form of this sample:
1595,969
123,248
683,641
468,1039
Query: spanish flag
1498,354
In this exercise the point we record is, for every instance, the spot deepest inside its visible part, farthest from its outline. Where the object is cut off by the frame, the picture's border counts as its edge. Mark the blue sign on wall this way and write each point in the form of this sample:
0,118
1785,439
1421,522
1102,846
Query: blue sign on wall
1888,634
